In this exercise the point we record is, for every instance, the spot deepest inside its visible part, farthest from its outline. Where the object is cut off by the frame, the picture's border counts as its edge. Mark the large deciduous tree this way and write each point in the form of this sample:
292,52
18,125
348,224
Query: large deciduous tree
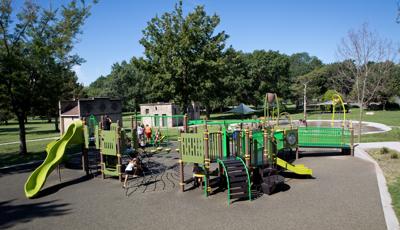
35,54
369,60
268,71
184,56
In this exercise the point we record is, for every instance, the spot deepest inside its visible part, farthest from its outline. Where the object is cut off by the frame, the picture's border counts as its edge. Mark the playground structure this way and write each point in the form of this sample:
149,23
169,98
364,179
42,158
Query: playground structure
110,143
244,157
248,158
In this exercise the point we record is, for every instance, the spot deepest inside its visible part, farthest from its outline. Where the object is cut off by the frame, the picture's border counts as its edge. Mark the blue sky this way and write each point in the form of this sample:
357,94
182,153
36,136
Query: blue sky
112,33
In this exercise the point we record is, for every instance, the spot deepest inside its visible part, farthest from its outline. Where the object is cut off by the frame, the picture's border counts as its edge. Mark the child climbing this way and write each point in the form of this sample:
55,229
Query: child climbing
133,168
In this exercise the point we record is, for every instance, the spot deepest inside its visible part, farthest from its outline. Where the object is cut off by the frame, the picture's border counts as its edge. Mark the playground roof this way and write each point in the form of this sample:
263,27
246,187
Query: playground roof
241,109
72,112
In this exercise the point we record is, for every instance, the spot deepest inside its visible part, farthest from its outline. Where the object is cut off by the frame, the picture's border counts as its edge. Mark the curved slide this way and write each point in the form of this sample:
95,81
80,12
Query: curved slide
55,152
298,169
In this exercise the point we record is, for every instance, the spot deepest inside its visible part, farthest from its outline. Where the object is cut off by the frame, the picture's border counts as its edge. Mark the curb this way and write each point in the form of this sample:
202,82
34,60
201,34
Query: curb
391,220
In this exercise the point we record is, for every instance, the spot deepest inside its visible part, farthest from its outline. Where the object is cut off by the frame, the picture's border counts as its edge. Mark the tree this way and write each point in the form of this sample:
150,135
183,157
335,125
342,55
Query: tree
126,81
184,56
303,63
268,71
236,85
369,60
35,51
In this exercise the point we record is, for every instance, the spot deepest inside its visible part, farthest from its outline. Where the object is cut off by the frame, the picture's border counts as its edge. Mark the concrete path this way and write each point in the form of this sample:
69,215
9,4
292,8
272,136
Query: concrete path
390,216
377,145
343,195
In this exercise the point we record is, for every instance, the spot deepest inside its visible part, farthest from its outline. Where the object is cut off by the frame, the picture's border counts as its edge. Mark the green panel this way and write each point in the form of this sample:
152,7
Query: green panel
224,142
110,172
97,137
280,139
324,137
257,148
192,147
156,120
109,144
164,121
86,136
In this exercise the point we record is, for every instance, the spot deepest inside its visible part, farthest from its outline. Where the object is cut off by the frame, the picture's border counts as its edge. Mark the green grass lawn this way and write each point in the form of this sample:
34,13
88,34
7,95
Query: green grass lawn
35,129
391,169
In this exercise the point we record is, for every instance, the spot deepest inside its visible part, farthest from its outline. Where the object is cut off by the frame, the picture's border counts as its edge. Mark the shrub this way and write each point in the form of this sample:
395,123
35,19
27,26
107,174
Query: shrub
394,155
384,150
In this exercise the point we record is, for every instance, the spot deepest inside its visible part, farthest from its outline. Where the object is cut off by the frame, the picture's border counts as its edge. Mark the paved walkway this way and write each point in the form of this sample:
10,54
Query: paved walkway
390,216
343,195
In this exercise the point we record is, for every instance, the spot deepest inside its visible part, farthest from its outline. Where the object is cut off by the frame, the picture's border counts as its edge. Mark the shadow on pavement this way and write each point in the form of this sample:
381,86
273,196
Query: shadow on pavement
57,187
14,214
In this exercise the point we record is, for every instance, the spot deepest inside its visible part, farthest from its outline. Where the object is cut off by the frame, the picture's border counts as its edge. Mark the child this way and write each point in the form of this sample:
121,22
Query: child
197,170
147,131
107,123
132,169
157,137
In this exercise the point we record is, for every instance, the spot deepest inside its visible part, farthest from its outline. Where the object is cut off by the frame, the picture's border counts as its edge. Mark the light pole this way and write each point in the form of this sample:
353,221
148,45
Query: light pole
305,102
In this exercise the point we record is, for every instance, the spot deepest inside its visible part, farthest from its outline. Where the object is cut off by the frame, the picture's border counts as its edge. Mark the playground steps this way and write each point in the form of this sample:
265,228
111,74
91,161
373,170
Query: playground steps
238,179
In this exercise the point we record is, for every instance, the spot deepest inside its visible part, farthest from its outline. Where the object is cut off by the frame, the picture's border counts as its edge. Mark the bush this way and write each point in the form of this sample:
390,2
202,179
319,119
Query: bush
394,155
384,150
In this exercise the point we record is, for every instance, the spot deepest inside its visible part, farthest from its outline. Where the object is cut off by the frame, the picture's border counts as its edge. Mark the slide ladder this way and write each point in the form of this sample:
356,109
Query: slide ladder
298,169
237,178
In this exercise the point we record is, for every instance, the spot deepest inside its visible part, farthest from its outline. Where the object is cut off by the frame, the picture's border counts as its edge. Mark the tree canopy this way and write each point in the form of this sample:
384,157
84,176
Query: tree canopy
35,56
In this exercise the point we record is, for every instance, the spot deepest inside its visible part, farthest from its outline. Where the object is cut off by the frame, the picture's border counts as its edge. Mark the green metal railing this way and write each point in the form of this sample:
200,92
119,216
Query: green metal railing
324,137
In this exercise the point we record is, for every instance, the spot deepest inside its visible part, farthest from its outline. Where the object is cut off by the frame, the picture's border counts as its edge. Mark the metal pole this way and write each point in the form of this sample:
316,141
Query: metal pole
119,159
206,159
219,140
265,155
185,123
305,102
247,143
182,177
352,139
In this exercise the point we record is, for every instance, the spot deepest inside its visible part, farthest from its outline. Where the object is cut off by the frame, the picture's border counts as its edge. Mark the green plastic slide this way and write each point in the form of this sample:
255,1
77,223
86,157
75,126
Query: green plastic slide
55,152
298,169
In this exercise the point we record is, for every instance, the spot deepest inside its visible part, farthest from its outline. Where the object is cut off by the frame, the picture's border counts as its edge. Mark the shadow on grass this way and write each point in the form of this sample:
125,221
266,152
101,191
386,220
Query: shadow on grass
14,158
15,214
4,130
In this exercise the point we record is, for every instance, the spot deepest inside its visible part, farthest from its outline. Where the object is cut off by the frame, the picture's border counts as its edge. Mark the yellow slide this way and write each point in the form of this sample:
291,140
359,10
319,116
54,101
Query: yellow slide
55,152
298,169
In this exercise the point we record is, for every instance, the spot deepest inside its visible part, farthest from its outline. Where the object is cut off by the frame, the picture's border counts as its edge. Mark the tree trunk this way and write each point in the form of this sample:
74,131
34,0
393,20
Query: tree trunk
56,124
22,134
208,110
360,122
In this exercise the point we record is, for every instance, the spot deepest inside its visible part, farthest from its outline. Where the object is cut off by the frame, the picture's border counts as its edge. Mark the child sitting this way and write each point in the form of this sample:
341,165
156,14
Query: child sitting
197,170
